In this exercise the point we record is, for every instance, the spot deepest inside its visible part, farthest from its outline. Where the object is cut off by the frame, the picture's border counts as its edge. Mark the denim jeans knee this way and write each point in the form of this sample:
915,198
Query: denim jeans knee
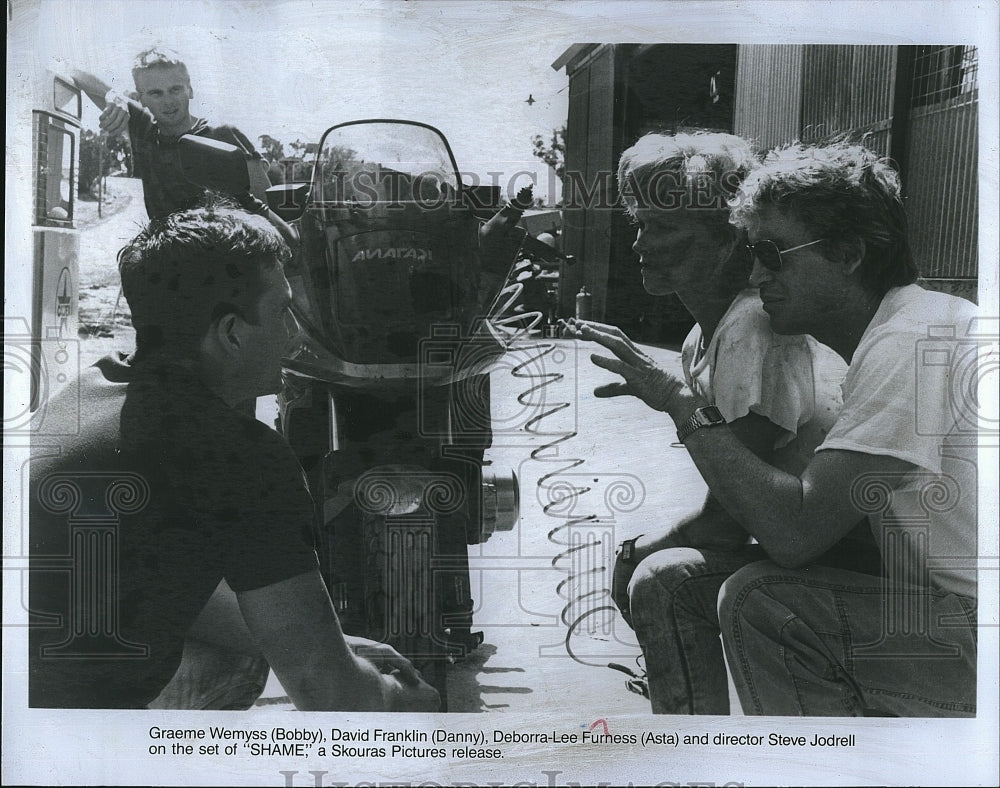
673,606
816,641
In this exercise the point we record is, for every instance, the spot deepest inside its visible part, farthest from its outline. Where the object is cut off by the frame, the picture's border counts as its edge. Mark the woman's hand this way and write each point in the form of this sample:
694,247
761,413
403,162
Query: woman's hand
643,379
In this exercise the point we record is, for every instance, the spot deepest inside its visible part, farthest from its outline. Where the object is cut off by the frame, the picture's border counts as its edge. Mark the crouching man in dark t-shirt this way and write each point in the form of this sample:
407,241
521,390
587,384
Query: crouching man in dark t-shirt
174,516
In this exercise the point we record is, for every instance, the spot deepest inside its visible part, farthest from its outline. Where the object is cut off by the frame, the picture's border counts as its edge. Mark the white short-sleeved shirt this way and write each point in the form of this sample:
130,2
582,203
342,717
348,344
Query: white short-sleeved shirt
907,395
793,381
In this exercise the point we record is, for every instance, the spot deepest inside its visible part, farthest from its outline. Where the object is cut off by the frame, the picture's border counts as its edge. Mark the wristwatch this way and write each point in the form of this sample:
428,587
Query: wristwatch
703,417
626,550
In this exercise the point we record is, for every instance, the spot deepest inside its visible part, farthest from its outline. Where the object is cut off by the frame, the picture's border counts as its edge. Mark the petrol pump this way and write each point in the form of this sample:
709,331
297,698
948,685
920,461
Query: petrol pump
55,137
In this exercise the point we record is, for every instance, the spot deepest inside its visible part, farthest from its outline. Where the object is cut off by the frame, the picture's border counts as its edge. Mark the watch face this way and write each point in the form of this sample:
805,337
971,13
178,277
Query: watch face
713,415
627,550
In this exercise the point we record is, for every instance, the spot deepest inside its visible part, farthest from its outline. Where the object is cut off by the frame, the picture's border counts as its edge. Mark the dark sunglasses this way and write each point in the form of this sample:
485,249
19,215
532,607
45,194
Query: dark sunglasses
769,255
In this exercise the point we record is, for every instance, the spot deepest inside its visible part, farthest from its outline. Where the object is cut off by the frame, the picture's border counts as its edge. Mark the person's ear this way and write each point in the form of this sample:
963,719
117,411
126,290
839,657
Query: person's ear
226,334
190,92
854,255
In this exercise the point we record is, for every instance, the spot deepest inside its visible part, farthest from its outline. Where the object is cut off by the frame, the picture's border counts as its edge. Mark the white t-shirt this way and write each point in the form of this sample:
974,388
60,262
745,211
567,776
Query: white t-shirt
909,393
793,381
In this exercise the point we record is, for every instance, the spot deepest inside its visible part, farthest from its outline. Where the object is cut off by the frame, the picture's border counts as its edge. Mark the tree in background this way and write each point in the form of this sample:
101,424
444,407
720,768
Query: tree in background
101,155
298,166
273,150
283,167
552,153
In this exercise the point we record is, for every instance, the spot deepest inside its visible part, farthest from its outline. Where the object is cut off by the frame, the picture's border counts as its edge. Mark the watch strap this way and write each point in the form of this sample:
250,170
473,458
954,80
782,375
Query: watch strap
709,416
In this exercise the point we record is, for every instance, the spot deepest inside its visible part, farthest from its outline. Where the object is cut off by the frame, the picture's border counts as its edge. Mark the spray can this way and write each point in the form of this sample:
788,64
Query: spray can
583,304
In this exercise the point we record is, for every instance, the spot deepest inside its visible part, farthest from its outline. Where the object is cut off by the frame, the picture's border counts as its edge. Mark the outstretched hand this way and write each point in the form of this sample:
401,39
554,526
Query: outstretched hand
642,377
114,118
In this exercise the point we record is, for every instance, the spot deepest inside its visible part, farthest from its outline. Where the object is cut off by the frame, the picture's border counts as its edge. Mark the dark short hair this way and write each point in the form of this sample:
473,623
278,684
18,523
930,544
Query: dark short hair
843,192
692,169
189,268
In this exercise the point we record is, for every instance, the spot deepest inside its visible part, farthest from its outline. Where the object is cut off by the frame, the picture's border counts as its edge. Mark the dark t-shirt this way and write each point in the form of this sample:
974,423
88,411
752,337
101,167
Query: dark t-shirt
166,492
157,161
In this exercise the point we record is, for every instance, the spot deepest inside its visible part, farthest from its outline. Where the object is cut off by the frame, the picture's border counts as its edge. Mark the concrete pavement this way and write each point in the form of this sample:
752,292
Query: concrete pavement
592,472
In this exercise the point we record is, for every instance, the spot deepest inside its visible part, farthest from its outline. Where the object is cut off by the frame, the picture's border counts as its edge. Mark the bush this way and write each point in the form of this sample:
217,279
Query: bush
101,155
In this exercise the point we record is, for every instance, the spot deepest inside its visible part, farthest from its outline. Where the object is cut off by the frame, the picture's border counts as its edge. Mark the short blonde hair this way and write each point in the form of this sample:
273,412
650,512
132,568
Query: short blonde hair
696,169
158,57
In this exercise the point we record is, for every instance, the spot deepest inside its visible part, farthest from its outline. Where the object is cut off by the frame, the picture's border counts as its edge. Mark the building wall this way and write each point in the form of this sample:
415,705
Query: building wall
942,160
918,105
768,94
848,88
590,151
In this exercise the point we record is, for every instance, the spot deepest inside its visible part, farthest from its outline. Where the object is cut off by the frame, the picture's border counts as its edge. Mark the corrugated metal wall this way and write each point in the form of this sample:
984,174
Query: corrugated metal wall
942,159
848,89
811,92
768,94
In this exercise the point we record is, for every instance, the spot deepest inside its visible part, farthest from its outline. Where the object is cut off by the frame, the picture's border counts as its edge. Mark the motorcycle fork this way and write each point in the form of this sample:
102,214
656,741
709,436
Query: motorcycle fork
399,576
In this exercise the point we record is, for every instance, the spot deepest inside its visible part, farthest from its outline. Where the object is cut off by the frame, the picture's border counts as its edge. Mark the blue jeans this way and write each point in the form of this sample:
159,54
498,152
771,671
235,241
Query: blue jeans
673,601
829,642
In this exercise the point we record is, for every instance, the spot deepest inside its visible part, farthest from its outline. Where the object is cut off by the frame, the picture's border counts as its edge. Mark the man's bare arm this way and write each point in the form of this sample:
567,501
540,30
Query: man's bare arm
297,630
259,184
113,106
93,86
795,518
712,526
221,623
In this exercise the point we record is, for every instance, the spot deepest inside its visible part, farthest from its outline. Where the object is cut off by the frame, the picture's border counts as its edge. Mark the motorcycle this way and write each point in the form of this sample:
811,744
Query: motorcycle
404,286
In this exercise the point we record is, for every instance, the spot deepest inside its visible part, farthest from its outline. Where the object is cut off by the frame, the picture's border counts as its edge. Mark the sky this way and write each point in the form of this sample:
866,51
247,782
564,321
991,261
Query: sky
290,69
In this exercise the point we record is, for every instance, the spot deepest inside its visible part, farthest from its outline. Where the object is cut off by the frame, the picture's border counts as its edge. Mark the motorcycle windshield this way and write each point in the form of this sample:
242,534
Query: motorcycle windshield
390,253
384,162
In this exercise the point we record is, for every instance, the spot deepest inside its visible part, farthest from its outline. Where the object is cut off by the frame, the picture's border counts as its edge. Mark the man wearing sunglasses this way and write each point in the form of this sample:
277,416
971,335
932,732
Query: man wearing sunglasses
828,232
780,395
